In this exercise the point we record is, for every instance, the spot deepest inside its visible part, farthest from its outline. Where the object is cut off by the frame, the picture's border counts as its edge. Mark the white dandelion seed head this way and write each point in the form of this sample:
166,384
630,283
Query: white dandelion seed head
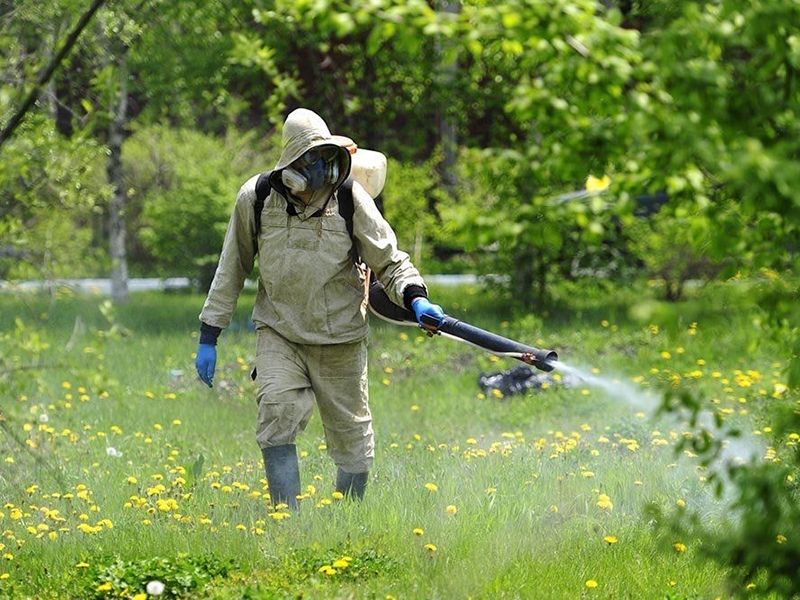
155,588
113,452
43,418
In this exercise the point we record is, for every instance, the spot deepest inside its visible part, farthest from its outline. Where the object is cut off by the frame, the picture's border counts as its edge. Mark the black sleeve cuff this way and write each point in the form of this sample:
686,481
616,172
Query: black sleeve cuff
209,334
411,292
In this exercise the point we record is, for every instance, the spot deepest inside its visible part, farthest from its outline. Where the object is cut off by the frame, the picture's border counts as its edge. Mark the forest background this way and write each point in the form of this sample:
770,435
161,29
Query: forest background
493,116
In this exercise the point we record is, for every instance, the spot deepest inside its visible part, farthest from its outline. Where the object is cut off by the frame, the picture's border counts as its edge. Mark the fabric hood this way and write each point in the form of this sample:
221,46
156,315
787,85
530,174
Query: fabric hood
304,129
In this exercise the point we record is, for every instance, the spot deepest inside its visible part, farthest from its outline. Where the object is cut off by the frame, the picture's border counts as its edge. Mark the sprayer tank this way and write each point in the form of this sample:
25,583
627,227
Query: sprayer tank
368,168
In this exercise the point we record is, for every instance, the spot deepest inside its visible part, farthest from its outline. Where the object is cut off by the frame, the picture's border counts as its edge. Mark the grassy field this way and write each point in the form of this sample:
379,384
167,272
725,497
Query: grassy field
536,496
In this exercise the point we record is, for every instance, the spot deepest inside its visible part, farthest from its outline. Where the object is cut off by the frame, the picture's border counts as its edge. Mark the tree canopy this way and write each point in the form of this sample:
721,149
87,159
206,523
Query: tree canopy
691,102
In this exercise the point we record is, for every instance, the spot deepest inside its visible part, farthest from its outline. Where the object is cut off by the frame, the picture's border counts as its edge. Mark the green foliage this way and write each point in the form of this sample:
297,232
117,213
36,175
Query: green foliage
185,72
363,563
695,99
181,575
674,249
358,64
194,471
717,127
185,184
567,74
757,539
50,190
411,189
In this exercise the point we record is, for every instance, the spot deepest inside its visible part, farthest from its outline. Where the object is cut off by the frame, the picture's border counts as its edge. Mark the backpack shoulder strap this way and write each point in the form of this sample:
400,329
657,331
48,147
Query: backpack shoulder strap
263,188
346,210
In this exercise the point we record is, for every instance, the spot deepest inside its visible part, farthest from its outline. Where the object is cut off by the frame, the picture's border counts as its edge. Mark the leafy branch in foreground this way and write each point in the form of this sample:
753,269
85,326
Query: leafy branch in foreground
757,538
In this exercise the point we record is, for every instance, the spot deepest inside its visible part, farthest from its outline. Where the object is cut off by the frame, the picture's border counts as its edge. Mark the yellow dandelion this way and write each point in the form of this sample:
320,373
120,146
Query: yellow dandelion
679,547
610,539
451,509
781,539
431,487
591,583
430,548
418,531
327,570
340,563
604,502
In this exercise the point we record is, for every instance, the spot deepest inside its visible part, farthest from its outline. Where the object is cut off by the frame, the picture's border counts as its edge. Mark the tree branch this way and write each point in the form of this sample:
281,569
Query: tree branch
45,76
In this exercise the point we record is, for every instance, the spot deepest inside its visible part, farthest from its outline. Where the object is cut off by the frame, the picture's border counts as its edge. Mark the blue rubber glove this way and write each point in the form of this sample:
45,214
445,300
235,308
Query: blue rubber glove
422,306
206,362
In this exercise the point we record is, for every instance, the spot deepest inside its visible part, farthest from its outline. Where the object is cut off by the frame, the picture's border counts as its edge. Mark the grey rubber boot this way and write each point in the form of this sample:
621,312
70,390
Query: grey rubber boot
283,474
351,484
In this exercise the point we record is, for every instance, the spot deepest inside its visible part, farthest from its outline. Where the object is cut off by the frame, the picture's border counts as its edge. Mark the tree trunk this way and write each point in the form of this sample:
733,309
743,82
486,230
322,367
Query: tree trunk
116,135
447,129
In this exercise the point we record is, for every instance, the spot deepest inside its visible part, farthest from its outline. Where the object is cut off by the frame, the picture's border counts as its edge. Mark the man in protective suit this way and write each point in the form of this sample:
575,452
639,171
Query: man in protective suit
310,311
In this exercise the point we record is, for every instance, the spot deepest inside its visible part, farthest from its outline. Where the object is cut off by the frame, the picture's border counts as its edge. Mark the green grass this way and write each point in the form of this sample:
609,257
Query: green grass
524,473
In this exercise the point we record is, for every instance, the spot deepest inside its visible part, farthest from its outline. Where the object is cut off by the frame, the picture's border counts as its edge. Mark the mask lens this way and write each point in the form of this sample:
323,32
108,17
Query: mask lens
315,154
310,157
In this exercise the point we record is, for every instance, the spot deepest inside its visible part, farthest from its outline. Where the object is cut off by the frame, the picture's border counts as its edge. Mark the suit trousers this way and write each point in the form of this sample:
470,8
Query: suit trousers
291,378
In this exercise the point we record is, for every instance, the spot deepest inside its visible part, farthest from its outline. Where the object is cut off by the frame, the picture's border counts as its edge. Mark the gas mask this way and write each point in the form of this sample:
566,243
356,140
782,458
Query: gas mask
315,169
